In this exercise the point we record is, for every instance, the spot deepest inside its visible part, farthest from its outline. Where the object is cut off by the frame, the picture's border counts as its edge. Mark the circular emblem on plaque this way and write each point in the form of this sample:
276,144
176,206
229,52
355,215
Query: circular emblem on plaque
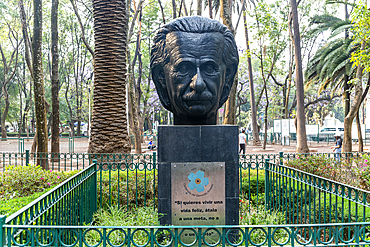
198,183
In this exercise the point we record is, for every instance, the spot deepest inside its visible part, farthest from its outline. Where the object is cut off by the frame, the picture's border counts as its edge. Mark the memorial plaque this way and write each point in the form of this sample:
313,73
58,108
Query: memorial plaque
198,193
198,196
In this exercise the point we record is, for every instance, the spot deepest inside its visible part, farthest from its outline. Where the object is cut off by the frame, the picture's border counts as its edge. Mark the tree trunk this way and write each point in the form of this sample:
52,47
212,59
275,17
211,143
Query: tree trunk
286,104
5,82
302,146
346,96
4,113
347,141
265,118
162,11
38,84
210,9
347,93
230,105
256,140
26,38
109,132
135,95
54,78
173,9
199,7
359,133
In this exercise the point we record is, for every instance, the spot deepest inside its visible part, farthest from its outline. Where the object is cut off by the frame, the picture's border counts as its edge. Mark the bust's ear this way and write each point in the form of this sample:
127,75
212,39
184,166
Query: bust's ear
160,85
229,80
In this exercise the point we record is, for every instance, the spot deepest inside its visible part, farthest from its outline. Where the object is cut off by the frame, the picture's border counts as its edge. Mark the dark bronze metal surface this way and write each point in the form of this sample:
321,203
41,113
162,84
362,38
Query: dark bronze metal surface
194,61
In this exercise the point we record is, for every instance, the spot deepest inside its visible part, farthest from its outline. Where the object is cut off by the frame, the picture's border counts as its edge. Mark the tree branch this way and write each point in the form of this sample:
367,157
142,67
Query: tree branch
327,98
82,28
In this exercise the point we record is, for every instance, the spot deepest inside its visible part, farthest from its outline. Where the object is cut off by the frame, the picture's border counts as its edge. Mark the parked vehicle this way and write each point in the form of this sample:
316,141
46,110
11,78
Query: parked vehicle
328,133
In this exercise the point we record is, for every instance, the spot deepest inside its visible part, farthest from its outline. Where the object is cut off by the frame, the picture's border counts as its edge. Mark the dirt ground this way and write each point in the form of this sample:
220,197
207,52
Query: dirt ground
81,145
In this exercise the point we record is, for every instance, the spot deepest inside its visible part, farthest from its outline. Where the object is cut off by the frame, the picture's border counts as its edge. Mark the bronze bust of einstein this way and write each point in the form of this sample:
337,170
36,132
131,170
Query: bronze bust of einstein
193,62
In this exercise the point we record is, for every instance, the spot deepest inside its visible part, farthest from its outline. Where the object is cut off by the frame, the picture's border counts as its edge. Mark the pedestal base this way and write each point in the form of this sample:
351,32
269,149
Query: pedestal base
205,165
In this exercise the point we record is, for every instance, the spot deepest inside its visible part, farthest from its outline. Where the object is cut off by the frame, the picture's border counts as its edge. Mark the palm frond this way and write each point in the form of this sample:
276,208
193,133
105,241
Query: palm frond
340,1
323,86
340,30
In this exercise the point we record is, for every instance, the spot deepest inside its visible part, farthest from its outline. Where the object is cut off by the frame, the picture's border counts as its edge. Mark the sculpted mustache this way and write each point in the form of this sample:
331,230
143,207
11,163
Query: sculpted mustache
194,96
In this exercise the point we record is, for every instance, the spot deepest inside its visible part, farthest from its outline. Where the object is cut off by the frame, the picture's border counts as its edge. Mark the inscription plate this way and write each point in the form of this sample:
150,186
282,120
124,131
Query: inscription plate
198,193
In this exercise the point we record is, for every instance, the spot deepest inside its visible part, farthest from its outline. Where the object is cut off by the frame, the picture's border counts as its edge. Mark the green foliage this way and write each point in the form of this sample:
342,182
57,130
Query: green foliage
253,182
357,169
363,172
361,30
20,185
113,216
320,165
10,206
257,215
115,187
20,181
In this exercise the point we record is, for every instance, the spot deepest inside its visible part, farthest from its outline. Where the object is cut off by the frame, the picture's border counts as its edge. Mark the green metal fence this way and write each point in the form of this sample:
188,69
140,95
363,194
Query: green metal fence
71,203
78,161
310,199
69,161
127,184
317,211
166,236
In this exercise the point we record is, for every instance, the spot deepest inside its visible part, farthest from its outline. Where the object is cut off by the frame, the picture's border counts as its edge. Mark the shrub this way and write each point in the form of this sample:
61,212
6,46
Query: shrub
122,188
257,215
253,185
324,166
114,216
10,206
20,181
362,171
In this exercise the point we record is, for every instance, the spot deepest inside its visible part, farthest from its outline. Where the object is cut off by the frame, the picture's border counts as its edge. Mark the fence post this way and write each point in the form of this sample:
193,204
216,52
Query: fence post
2,230
27,157
154,159
267,185
95,184
154,167
281,155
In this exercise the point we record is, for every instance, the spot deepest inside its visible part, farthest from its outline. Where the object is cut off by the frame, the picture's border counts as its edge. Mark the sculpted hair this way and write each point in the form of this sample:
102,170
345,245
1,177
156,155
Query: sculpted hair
194,24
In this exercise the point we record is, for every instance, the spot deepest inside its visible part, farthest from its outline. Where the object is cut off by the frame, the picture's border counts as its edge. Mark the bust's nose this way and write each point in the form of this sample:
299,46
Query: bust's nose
197,82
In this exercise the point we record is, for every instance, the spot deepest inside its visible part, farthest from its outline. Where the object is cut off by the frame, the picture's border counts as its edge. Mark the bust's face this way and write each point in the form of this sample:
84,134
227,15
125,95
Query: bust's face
195,73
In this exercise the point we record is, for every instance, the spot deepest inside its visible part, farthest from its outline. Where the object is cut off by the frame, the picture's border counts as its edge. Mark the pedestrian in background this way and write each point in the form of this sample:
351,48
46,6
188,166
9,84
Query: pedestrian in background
337,149
242,141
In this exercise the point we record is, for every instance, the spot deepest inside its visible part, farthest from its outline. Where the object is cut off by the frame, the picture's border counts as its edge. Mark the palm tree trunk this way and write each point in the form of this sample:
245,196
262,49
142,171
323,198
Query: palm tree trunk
302,146
109,133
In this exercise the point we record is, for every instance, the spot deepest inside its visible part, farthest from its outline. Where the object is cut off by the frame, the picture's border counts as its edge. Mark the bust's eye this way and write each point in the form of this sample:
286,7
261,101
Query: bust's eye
209,68
183,68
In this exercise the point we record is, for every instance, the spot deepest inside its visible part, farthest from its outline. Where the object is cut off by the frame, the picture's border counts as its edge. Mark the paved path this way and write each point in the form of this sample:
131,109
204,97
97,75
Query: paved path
81,146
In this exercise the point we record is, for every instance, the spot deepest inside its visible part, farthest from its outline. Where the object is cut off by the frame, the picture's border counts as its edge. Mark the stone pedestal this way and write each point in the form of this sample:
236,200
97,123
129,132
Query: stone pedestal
198,175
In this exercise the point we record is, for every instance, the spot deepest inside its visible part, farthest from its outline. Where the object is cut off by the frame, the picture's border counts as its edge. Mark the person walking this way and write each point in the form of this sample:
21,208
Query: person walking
337,149
242,141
